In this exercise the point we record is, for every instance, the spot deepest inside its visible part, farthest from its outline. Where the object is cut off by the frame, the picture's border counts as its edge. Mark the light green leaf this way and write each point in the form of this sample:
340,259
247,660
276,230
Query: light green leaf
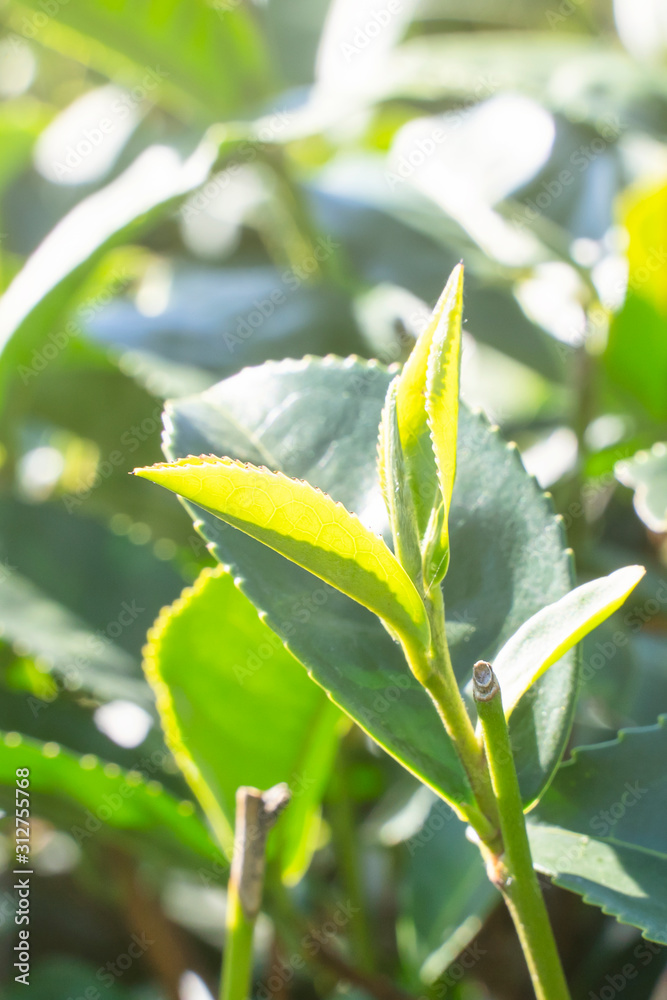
45,290
442,408
554,630
398,500
600,828
20,124
308,527
318,420
643,372
413,421
215,56
103,794
237,709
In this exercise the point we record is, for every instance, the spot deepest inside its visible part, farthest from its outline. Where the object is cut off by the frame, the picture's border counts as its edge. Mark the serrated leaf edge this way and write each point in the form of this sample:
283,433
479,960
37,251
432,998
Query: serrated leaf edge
585,894
165,705
408,641
544,497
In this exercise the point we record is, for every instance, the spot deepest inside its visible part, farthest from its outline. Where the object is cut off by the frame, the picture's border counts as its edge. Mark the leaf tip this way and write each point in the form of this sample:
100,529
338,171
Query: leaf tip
633,574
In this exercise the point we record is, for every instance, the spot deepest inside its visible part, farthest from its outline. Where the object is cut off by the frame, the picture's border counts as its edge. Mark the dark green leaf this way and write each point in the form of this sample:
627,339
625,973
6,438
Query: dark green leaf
600,828
104,793
37,626
318,420
446,895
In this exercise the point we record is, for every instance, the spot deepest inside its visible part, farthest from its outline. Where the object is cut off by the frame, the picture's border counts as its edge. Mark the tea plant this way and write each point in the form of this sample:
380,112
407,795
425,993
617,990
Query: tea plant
471,536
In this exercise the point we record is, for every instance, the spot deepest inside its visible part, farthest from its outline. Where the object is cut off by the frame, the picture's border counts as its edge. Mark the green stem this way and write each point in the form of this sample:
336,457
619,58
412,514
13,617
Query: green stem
237,970
513,872
256,812
440,682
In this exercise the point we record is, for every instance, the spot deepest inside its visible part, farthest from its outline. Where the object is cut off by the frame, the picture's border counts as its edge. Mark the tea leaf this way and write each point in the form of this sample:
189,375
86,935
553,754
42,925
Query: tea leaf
398,499
220,677
306,526
549,634
101,792
442,408
413,419
600,828
318,419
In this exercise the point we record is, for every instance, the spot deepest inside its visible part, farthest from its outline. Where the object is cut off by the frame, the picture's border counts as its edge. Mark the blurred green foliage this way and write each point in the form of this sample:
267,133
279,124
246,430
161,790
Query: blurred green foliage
188,188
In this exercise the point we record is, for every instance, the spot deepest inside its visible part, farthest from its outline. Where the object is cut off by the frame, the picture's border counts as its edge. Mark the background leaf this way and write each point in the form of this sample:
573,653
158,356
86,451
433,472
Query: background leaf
643,372
104,794
237,709
205,323
440,917
34,624
42,293
600,829
214,56
646,474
